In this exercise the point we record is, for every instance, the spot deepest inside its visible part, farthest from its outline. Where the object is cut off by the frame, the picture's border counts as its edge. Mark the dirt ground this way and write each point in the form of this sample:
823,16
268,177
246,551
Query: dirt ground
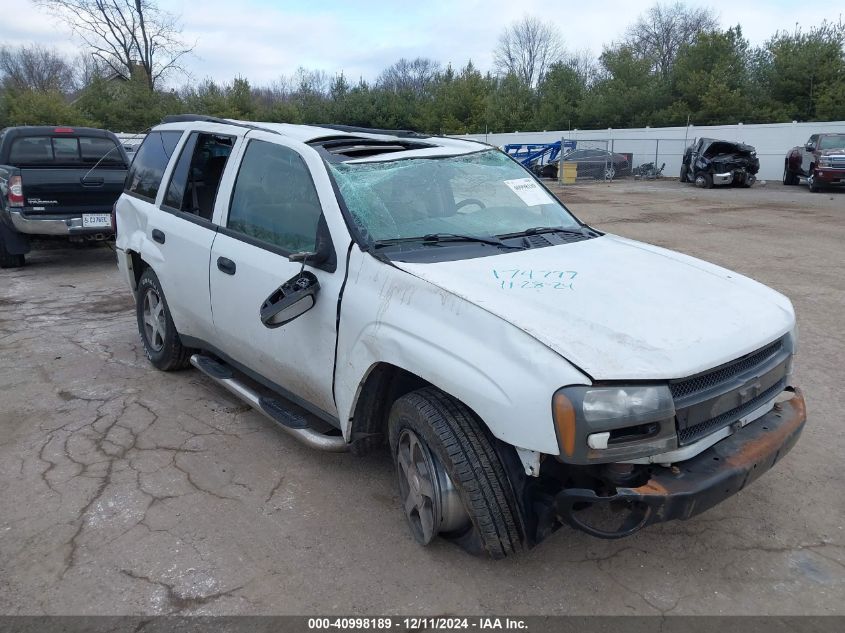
124,490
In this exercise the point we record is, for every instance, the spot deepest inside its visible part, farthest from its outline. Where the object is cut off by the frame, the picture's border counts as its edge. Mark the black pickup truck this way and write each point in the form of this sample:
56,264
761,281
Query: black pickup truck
57,181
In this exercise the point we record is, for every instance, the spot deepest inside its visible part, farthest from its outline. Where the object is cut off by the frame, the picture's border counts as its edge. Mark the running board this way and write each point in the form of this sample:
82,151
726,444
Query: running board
290,421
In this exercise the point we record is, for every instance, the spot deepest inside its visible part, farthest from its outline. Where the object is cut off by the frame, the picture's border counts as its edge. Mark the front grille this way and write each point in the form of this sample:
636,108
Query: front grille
702,382
693,433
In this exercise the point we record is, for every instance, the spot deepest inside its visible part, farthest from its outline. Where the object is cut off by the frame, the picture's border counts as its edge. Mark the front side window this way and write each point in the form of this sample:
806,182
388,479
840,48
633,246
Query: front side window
150,162
274,199
480,194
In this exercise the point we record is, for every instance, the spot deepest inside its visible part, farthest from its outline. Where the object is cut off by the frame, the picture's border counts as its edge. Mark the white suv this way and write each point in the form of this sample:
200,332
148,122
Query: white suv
370,287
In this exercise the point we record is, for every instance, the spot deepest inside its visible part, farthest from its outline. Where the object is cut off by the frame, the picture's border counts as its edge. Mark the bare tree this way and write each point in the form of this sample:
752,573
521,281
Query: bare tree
409,75
661,31
35,67
585,64
527,48
127,36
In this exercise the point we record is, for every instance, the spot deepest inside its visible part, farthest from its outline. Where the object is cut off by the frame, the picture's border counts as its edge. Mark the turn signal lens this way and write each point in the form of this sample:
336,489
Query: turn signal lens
564,414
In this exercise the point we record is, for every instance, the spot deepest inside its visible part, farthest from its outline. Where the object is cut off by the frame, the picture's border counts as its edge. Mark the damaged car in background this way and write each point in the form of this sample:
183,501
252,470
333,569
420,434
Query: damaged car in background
376,290
710,162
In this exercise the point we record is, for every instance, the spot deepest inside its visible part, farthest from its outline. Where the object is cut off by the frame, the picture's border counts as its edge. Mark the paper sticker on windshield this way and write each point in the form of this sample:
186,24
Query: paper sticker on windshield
529,191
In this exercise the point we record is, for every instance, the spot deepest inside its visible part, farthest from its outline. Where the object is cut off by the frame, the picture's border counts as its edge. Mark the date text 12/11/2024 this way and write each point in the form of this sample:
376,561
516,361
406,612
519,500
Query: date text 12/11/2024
530,279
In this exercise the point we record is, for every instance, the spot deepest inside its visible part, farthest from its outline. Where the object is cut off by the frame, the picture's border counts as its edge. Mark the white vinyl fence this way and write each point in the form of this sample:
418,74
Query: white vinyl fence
666,144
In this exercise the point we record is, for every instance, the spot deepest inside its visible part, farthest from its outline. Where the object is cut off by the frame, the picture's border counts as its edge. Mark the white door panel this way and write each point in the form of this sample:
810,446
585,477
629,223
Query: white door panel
298,356
183,270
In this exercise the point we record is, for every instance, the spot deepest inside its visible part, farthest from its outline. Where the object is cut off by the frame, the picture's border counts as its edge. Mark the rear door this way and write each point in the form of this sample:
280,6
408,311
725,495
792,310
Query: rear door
61,175
180,226
273,211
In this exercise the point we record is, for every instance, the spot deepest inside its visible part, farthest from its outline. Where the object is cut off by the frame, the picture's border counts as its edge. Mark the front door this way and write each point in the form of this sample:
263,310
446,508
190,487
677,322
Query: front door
807,156
274,211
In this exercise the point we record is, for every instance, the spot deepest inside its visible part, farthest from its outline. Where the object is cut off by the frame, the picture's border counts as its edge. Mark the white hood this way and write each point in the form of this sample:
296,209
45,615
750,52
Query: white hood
620,309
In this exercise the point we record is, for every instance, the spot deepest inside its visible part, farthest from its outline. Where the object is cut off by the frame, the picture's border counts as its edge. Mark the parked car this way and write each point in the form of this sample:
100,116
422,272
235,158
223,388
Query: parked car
821,160
710,162
592,163
363,288
56,181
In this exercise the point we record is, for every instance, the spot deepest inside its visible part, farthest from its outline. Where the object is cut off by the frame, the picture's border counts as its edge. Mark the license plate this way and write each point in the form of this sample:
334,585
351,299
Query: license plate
96,220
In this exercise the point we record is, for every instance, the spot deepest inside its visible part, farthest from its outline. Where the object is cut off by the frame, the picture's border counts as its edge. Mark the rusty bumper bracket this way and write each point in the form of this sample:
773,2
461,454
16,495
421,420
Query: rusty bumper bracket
695,485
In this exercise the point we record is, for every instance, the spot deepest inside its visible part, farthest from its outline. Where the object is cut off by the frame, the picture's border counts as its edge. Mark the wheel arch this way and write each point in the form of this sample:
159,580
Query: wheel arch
137,266
382,386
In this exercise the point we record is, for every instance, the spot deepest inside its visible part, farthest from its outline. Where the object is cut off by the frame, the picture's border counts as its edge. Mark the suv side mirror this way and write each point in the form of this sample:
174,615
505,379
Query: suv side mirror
323,255
810,147
292,299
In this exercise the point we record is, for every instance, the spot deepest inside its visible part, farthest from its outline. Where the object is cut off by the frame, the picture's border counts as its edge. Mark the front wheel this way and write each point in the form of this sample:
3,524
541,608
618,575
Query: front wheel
451,480
811,181
704,180
158,333
684,173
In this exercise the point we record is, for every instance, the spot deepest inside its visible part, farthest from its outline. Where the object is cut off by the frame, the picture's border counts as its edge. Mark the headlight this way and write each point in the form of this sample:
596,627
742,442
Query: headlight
825,161
606,424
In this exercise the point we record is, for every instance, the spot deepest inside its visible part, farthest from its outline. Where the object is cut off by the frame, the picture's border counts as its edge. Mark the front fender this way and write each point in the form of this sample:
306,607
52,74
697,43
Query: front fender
503,374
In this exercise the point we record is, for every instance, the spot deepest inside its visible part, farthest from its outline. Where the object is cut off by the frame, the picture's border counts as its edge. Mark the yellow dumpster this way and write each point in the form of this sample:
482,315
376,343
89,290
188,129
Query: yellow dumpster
570,172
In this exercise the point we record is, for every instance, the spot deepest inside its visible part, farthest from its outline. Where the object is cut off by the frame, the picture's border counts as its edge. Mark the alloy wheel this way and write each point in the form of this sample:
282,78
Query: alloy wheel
429,497
155,325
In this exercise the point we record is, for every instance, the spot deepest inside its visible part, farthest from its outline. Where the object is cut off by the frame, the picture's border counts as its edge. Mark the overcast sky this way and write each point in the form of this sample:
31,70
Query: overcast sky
263,39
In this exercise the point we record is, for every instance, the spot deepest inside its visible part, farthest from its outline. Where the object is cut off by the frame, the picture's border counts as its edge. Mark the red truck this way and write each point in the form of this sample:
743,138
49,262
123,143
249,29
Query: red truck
821,161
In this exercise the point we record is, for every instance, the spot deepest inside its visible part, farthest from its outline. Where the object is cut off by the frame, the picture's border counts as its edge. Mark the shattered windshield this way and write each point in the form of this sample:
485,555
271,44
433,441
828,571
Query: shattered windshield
480,194
832,141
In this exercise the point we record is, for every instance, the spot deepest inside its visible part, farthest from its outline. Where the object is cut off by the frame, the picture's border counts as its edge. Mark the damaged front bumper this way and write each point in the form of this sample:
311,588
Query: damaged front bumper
690,487
738,175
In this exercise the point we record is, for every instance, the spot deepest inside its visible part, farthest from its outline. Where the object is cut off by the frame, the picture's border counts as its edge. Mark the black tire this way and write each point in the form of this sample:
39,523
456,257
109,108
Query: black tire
7,260
704,180
790,178
465,449
684,172
165,351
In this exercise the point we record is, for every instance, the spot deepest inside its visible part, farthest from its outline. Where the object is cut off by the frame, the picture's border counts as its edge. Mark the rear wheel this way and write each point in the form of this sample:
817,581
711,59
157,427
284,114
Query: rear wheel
789,177
8,260
451,480
158,333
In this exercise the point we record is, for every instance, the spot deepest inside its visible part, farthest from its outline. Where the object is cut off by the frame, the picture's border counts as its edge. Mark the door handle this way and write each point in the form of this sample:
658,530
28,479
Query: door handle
92,182
158,236
226,265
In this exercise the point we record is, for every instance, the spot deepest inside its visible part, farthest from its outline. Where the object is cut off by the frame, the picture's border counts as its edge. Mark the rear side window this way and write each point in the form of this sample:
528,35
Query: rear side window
274,199
150,162
197,174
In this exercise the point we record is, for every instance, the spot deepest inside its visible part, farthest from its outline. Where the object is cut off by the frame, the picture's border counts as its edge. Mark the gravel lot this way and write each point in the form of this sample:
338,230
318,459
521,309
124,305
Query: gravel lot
129,491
